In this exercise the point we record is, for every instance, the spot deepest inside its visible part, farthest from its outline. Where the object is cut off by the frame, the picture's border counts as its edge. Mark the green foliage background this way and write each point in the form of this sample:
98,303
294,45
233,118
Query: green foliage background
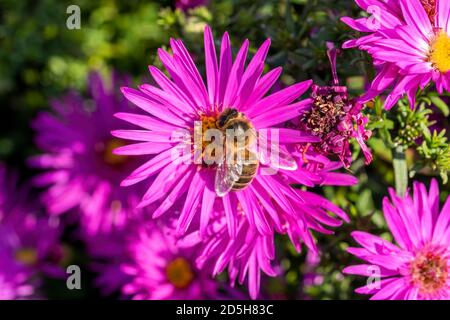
40,59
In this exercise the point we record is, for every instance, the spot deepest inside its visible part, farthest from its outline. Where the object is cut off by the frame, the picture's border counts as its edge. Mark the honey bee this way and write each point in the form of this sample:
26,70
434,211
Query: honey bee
242,161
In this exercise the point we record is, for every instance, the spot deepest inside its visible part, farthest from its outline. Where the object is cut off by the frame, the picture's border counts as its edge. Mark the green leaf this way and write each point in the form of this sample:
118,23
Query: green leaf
400,170
441,105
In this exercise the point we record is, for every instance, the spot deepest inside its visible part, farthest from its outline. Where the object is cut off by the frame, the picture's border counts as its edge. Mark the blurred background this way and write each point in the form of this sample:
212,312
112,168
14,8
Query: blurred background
41,59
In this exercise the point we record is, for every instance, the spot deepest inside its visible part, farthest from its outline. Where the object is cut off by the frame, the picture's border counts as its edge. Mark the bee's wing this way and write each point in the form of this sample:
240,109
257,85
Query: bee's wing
286,162
226,176
278,157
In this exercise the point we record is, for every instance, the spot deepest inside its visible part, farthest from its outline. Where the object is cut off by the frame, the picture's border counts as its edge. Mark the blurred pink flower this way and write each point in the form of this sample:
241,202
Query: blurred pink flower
107,252
190,4
311,277
161,267
82,173
418,266
29,242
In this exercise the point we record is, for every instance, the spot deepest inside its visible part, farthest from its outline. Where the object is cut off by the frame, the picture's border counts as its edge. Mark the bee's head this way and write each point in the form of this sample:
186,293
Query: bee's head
227,115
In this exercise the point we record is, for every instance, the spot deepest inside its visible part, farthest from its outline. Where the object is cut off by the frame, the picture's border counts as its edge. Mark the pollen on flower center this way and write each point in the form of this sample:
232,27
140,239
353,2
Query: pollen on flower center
329,119
440,52
106,151
202,138
326,113
27,256
208,123
429,271
179,273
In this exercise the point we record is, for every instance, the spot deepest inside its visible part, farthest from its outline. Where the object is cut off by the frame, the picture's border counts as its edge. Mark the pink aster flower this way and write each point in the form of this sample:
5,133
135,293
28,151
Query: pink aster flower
267,203
418,265
29,242
161,267
182,102
15,282
82,173
409,41
335,119
190,4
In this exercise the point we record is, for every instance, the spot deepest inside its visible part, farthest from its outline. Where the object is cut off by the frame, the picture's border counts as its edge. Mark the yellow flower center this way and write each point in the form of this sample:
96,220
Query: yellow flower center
106,150
207,123
27,256
440,52
429,271
179,273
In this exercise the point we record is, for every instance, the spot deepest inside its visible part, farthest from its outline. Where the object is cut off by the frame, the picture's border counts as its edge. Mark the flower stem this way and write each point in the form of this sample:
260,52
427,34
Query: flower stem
400,170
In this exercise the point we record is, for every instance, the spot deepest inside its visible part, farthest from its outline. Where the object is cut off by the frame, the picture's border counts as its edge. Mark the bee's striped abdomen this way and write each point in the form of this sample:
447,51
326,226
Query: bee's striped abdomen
248,173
